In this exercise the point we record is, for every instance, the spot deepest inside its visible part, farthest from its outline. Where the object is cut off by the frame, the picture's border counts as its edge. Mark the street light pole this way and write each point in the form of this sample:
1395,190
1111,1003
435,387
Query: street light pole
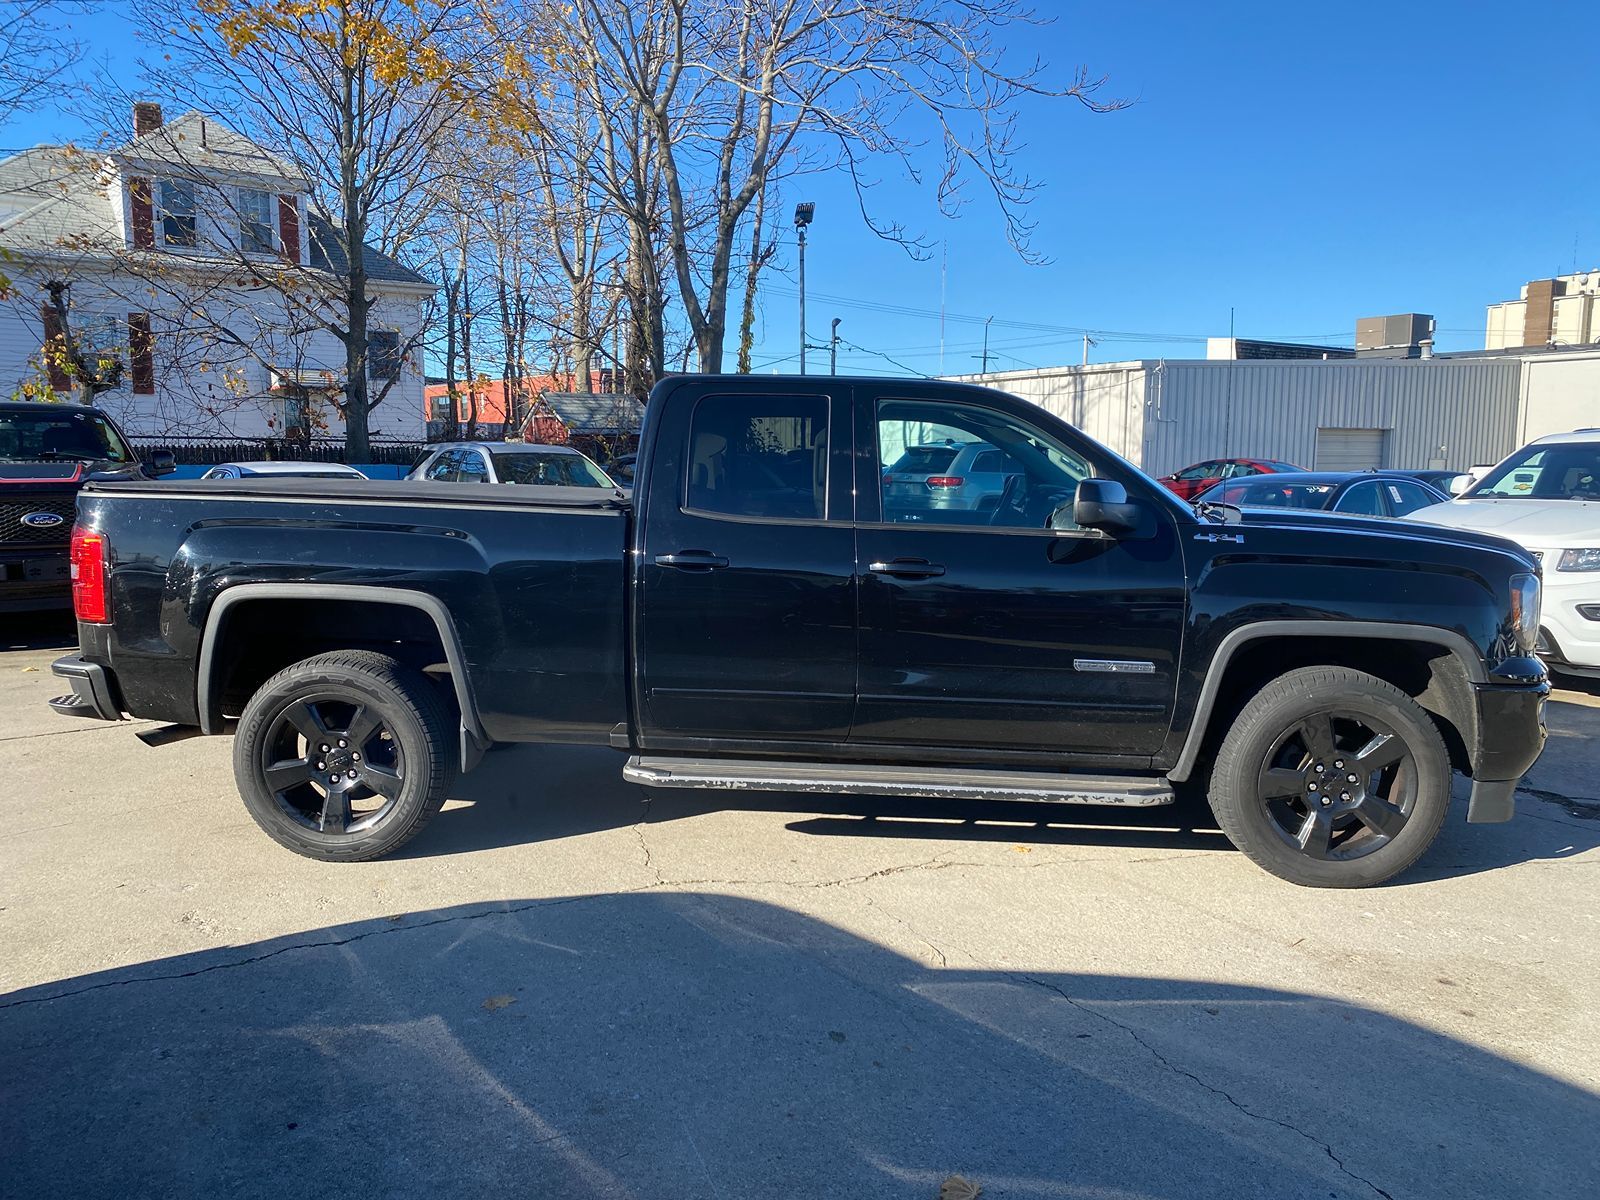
802,217
833,349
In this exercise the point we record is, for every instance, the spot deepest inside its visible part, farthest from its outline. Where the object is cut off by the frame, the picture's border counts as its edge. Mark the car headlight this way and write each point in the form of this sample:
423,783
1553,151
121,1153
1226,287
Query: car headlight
1580,560
1525,611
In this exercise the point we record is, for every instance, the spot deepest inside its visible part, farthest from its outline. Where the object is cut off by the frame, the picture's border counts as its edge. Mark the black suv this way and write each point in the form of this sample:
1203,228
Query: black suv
48,452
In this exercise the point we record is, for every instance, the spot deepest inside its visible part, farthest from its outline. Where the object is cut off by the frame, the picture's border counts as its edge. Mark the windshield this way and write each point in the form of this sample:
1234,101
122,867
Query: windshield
1560,472
563,470
33,435
1271,493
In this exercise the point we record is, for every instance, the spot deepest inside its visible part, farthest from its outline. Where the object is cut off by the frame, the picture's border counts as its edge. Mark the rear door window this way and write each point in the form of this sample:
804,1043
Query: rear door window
1363,500
759,456
1406,498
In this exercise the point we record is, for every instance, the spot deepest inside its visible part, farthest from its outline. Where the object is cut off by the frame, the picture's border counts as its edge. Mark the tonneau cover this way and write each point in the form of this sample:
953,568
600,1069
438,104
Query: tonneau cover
399,491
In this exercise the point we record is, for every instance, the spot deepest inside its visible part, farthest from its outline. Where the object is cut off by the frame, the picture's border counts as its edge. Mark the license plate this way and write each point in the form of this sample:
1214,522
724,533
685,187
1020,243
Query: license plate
46,570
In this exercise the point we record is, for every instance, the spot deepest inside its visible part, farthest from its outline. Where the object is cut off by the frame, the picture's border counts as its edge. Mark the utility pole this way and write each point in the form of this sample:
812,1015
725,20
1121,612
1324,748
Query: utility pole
803,213
985,355
833,349
1087,342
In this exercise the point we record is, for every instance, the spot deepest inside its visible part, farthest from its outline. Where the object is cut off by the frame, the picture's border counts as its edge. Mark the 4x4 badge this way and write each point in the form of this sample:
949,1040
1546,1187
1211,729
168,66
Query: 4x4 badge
1219,537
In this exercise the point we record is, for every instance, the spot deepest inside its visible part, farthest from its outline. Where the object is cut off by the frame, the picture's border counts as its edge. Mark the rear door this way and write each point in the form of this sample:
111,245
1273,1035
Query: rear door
747,603
987,630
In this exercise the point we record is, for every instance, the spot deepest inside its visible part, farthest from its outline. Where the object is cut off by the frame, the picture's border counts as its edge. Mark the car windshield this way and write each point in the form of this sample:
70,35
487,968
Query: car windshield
564,470
1272,493
925,460
1568,471
33,435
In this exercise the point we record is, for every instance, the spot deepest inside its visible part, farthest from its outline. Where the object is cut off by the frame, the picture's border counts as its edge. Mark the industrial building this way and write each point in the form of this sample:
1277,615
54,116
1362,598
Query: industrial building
1449,412
1559,312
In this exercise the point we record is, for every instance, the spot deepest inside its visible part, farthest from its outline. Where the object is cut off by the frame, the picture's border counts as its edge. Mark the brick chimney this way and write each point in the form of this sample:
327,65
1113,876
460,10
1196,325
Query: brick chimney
146,117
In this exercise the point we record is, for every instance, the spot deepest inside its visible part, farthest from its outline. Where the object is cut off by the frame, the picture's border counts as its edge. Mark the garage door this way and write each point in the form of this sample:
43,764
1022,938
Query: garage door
1351,449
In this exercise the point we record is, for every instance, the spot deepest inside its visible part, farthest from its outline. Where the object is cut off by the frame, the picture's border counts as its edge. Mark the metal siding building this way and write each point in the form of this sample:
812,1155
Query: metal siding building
1405,413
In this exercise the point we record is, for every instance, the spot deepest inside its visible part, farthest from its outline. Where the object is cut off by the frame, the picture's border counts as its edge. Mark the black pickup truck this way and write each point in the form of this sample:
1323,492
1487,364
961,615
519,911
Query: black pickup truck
780,606
48,452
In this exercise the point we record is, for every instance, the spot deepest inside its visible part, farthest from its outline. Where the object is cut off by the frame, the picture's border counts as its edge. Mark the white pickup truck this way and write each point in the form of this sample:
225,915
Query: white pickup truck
1546,498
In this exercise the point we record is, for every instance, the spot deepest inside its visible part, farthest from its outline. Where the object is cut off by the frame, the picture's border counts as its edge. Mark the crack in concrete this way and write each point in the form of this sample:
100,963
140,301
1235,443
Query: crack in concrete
638,829
944,959
1169,1065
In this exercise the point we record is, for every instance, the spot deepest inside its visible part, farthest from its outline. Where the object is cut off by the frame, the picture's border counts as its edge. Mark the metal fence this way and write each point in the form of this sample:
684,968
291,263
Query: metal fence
207,451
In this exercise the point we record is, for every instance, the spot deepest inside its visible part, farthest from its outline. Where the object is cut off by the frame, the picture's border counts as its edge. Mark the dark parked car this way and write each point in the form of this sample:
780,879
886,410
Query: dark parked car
47,452
508,462
1358,493
1451,483
1191,481
763,614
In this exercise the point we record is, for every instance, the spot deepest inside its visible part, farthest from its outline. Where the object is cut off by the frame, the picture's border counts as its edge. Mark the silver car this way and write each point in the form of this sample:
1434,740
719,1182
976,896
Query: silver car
508,462
948,476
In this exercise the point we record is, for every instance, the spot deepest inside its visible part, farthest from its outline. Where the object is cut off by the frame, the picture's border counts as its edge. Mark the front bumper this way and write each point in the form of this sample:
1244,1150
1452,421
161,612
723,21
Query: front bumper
34,580
93,690
1511,733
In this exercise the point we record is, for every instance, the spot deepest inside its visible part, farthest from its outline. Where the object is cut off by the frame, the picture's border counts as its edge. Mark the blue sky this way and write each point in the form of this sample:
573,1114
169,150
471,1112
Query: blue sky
1305,165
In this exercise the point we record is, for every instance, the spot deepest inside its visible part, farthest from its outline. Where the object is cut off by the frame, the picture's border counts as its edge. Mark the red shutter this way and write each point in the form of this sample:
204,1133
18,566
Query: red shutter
53,347
141,351
142,214
289,229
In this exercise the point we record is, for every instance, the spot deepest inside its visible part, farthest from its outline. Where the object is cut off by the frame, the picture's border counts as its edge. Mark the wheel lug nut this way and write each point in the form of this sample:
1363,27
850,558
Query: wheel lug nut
322,766
352,775
343,743
1338,763
333,779
1344,795
1319,766
1351,778
1326,802
325,748
1311,787
357,758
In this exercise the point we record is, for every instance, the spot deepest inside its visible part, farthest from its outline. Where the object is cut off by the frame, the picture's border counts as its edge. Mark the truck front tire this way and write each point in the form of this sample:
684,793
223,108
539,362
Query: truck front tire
1331,777
344,757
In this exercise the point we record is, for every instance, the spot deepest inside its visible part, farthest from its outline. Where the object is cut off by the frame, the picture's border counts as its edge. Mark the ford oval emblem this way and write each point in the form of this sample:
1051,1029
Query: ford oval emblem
42,520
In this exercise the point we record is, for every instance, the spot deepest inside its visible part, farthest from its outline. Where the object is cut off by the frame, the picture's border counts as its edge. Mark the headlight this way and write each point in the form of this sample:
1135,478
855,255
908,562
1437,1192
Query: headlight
1580,560
1525,611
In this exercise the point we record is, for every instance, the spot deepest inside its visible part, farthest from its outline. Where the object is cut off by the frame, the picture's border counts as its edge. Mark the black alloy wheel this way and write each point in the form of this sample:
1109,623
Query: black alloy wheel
1338,786
345,756
1331,777
332,765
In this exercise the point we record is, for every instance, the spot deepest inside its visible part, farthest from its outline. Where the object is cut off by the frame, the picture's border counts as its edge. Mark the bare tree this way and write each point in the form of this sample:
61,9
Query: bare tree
731,93
360,95
37,52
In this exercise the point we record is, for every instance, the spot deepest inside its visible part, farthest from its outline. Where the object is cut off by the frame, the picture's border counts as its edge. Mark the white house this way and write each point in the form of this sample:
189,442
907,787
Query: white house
195,264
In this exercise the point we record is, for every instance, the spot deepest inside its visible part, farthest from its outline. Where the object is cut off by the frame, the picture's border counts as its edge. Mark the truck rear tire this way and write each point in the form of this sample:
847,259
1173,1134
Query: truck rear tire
344,757
1331,777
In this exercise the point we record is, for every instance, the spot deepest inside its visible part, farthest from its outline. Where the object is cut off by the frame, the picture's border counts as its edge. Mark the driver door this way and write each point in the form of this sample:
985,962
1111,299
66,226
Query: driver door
982,628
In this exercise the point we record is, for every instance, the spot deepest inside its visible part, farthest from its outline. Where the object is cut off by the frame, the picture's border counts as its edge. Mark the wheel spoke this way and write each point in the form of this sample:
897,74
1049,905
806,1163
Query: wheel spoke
1384,750
1378,815
380,779
288,773
1276,782
1316,832
1317,733
335,812
363,724
306,719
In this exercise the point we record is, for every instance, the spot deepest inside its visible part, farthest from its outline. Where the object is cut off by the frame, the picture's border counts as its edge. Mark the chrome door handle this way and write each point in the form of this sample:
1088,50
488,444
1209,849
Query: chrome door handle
907,568
692,560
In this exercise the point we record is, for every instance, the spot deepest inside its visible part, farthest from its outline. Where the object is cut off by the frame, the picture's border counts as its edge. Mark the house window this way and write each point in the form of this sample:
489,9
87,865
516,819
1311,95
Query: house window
255,222
103,343
177,213
383,354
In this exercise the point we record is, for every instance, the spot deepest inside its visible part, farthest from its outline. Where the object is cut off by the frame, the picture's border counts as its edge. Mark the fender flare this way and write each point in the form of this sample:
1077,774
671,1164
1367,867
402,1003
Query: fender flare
1446,639
473,739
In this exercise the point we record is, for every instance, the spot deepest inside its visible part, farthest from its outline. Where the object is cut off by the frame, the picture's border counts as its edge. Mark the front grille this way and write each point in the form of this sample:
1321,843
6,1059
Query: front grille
14,531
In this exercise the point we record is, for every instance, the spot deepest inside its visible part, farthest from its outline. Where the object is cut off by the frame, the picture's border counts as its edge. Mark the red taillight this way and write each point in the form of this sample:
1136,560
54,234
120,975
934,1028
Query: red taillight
945,480
88,557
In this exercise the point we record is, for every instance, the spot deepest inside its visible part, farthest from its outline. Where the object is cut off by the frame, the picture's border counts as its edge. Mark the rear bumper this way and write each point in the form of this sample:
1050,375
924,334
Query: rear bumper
93,694
1511,733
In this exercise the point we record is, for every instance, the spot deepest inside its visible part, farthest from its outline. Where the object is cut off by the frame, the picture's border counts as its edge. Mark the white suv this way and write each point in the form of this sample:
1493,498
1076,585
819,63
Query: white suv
1546,497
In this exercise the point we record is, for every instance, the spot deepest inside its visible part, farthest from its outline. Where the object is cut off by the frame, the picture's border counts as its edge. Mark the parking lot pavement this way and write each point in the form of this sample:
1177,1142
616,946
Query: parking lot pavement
561,989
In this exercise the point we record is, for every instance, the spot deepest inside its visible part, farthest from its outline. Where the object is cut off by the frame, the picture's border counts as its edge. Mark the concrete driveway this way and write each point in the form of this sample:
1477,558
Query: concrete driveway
564,988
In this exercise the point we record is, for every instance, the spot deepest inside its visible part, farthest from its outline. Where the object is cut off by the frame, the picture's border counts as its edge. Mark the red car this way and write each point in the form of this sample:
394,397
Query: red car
1191,481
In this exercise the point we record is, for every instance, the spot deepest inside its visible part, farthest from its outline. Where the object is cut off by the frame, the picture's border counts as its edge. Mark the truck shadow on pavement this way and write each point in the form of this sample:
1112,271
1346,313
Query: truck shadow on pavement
694,1045
39,631
527,794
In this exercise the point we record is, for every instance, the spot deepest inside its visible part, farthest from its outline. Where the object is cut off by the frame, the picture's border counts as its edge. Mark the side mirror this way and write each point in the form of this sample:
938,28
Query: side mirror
162,462
1457,484
1103,504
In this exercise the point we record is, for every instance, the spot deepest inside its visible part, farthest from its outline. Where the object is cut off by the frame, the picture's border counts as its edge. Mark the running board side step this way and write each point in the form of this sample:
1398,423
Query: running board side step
868,779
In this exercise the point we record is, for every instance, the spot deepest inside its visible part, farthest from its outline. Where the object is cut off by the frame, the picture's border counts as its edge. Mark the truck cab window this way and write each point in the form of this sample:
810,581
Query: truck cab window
952,464
759,456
